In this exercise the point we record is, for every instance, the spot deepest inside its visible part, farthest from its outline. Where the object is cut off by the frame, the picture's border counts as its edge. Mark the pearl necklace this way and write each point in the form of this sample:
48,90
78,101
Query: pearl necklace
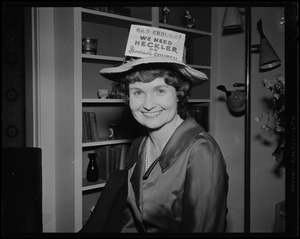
147,163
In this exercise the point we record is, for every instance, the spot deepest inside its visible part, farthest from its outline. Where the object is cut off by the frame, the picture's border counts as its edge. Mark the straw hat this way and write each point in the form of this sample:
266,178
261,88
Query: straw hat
195,77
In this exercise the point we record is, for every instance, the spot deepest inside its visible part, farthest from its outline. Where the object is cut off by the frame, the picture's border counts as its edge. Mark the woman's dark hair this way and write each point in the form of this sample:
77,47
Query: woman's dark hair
148,73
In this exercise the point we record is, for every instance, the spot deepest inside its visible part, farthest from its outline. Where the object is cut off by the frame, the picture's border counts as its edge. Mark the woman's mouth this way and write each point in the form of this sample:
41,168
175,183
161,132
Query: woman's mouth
152,114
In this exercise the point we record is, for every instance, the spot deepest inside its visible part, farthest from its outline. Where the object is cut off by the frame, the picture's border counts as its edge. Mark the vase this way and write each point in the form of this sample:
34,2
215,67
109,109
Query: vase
89,46
92,173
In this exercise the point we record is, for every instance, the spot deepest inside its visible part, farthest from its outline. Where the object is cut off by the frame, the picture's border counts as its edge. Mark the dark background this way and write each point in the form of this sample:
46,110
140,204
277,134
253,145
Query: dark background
13,76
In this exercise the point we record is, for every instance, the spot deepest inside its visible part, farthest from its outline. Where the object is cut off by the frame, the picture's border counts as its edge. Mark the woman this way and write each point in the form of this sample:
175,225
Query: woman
176,178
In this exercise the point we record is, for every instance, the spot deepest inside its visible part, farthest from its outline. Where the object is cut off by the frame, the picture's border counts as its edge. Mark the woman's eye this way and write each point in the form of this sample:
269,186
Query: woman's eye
137,93
160,91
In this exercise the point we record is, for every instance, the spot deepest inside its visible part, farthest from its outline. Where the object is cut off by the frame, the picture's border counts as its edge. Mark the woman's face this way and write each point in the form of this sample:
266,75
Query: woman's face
153,104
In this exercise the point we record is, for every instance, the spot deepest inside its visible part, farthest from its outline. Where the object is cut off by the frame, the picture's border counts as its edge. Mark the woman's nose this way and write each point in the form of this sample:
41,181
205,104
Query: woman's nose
149,102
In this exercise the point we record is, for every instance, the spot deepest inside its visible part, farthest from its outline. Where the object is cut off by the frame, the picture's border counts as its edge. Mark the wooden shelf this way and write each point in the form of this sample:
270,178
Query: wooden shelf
111,19
103,101
102,58
121,59
199,101
107,142
86,185
193,32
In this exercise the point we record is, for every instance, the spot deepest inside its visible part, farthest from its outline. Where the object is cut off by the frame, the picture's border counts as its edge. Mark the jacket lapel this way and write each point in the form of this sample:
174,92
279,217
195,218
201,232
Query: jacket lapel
181,138
136,156
175,146
136,181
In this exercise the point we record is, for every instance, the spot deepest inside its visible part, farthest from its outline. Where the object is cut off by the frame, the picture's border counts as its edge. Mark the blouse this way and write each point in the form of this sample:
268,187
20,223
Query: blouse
184,190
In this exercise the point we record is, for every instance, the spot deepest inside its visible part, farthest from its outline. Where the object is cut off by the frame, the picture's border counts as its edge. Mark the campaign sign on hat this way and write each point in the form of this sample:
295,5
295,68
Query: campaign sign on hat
145,41
150,45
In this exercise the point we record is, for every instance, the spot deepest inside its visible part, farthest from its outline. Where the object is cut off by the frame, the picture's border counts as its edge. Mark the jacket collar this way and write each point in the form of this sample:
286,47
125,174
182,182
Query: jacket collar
174,147
178,142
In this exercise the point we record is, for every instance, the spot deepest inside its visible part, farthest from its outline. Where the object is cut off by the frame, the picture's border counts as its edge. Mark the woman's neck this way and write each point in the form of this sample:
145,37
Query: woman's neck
160,137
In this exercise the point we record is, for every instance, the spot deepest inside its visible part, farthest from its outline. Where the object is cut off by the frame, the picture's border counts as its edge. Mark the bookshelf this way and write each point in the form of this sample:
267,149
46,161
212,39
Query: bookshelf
111,31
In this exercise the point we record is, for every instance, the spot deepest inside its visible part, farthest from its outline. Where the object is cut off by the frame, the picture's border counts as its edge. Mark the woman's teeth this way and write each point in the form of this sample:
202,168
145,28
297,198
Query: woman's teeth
152,114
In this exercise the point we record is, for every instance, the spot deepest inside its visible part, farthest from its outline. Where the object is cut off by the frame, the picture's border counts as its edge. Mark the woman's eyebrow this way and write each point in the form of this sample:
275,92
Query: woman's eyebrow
155,87
135,87
159,86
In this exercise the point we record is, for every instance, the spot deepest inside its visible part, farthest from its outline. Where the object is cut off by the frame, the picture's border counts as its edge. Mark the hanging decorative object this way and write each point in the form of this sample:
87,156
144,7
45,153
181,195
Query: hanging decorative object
165,15
187,20
268,58
235,99
232,18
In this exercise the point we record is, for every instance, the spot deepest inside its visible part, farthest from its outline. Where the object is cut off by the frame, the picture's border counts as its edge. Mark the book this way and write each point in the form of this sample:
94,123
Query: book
200,114
125,11
118,156
103,160
90,127
113,160
84,130
94,127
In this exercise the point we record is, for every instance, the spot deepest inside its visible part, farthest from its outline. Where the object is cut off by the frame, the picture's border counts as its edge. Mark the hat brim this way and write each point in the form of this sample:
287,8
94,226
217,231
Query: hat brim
195,77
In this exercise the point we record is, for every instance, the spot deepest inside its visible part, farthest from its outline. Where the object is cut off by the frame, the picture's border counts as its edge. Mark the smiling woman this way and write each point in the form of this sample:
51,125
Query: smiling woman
153,102
175,179
147,73
154,105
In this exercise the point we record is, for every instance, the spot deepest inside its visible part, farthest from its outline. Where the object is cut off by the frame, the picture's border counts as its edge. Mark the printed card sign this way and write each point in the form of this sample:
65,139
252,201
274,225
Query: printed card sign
146,41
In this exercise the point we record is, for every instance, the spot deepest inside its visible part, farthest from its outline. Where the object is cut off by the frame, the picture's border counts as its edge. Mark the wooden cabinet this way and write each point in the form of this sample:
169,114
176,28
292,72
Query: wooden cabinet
110,26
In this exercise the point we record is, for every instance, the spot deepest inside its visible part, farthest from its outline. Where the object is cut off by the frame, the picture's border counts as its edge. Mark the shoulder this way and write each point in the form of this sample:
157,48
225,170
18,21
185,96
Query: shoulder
206,139
206,161
205,150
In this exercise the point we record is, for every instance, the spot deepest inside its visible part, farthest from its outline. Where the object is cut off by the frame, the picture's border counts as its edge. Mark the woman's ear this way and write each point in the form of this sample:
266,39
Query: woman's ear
180,95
